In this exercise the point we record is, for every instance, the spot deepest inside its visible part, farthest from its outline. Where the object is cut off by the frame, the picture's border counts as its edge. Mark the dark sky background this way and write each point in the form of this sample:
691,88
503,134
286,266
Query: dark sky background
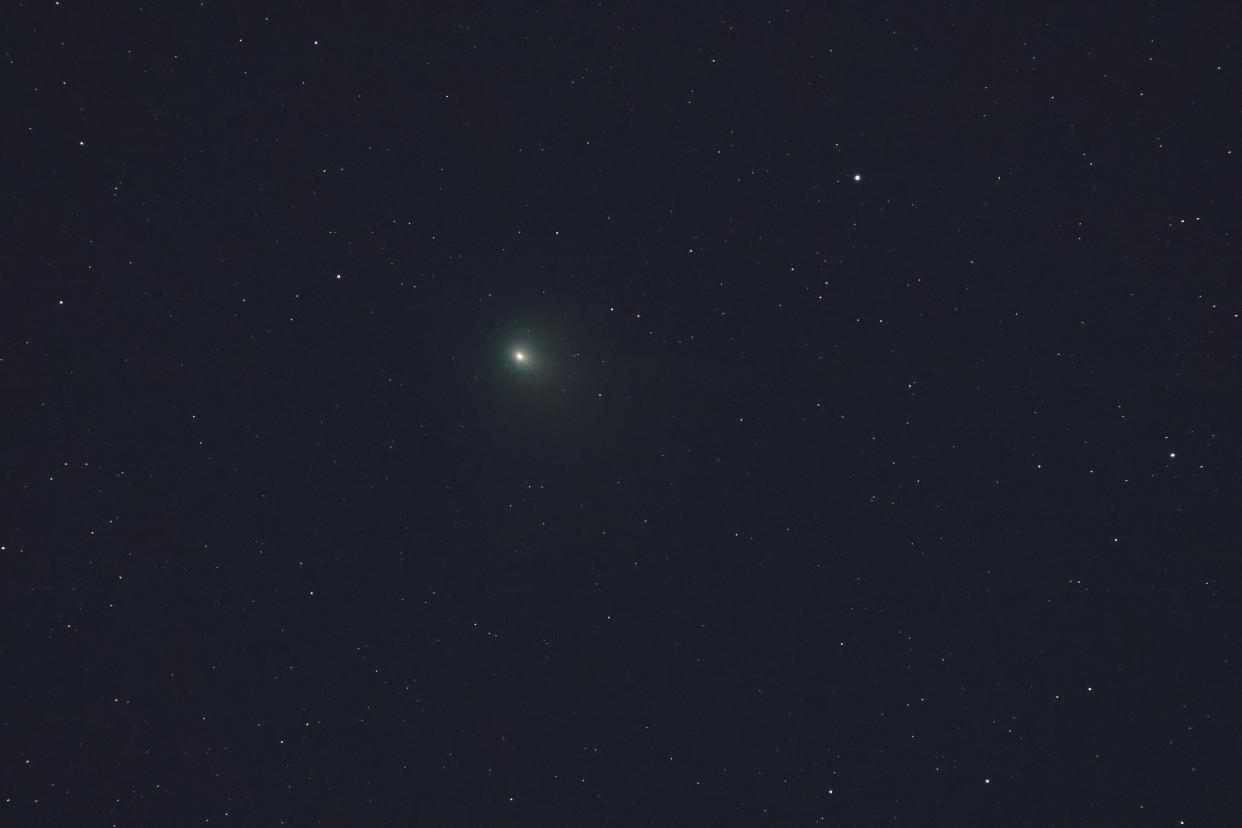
874,459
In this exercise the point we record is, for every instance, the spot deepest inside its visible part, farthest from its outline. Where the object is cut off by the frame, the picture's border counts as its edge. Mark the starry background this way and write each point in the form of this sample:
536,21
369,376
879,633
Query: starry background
876,462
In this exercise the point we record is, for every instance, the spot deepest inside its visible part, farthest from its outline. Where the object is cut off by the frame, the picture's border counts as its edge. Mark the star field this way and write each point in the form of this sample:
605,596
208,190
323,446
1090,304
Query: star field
587,415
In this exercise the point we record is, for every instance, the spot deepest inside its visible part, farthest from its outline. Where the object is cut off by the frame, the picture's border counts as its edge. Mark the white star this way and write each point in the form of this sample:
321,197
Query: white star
520,356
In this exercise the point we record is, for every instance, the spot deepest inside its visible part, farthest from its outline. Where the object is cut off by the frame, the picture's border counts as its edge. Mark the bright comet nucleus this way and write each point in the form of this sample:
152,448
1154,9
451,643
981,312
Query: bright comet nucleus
519,356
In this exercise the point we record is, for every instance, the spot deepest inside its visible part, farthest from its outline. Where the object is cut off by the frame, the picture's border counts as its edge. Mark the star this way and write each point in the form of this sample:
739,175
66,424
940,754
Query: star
519,356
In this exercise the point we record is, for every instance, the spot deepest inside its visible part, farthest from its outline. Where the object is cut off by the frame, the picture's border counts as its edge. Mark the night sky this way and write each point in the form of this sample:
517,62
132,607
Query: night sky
618,414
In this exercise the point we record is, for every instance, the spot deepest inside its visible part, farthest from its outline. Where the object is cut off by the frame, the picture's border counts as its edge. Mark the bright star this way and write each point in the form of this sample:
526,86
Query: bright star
520,356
